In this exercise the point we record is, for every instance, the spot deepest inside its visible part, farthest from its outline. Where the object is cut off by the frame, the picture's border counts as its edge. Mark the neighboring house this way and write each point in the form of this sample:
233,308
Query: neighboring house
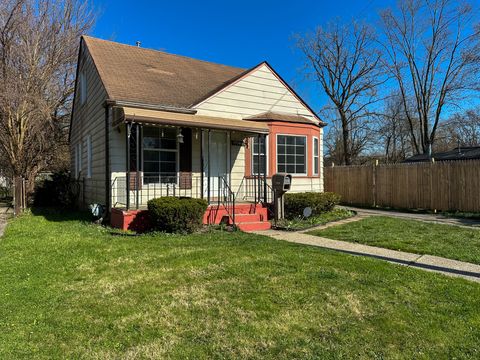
458,153
177,126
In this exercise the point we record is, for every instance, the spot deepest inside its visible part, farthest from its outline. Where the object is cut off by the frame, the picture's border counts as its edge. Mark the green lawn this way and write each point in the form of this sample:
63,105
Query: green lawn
419,237
73,290
315,220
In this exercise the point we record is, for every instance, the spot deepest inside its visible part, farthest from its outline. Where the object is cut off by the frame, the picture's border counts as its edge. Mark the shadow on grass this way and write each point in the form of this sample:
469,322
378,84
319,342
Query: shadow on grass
63,215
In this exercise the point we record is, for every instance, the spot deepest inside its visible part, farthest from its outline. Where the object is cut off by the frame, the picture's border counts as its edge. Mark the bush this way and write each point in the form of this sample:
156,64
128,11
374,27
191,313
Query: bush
318,202
58,191
5,193
172,214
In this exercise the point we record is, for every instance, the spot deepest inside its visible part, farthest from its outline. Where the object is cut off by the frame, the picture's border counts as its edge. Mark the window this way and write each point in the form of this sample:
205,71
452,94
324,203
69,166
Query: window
89,156
256,151
160,150
291,154
82,87
315,155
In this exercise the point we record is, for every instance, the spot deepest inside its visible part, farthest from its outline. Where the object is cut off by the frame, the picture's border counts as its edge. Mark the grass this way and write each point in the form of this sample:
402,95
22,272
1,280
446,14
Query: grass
454,214
413,236
321,219
72,290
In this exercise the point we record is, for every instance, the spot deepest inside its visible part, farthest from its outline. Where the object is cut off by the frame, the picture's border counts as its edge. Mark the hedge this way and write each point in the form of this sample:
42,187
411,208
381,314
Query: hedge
295,203
172,214
59,191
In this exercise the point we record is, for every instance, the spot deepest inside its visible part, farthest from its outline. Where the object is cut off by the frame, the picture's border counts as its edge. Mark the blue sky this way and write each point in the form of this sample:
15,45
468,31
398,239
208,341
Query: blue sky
237,33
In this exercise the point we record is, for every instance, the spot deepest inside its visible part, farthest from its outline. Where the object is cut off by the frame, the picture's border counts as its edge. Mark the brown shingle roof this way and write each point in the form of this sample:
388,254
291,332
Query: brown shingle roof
276,116
147,76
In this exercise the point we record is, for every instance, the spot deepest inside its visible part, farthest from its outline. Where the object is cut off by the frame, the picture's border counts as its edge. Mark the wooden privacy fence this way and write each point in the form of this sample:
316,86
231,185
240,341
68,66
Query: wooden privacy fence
447,185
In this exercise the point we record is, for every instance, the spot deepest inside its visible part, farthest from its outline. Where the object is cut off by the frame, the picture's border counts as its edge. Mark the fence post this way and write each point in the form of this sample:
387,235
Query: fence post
374,183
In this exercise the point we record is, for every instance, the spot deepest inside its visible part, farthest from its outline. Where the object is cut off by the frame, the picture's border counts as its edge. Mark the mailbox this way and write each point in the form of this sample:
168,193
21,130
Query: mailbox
281,182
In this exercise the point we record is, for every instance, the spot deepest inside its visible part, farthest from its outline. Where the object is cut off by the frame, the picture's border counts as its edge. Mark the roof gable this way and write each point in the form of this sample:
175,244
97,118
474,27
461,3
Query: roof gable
146,76
259,90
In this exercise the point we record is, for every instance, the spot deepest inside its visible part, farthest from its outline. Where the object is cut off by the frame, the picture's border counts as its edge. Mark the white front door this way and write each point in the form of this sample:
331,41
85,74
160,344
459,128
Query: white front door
216,150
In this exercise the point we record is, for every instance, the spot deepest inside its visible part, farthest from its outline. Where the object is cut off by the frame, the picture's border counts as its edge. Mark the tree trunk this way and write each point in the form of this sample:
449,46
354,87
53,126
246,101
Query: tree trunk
347,156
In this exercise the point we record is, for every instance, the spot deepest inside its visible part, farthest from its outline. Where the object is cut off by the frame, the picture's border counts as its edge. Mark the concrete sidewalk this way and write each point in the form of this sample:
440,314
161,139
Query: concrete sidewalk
425,262
435,218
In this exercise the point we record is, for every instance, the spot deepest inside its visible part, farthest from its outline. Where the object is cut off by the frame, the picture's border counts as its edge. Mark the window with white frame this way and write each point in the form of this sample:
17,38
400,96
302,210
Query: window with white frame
82,87
292,154
259,150
316,155
89,156
160,154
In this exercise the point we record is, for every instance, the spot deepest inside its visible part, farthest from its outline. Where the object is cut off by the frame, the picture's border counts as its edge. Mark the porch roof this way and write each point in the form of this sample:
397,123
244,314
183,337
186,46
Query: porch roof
158,117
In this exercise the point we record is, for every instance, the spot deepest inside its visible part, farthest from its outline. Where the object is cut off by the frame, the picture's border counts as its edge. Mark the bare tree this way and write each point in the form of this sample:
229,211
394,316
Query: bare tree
461,129
361,135
345,61
38,50
394,132
432,51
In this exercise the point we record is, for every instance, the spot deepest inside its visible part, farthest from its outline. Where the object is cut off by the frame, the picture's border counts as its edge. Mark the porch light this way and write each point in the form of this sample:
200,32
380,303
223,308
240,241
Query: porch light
180,137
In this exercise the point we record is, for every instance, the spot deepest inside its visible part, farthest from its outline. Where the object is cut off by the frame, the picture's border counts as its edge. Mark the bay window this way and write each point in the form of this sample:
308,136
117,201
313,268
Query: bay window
292,154
316,156
259,150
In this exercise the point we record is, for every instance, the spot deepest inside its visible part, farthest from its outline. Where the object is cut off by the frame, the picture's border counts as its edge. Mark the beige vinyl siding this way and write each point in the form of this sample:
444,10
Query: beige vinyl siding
258,92
89,120
322,185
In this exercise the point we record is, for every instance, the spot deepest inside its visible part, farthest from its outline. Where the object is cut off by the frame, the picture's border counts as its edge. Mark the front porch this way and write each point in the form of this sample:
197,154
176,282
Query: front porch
188,161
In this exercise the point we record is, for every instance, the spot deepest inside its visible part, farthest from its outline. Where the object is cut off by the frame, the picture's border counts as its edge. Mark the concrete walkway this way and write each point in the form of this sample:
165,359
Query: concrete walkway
435,218
424,262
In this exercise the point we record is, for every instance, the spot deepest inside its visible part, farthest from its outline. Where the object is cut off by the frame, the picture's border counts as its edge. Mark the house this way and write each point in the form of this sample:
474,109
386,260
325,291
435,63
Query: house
146,123
458,153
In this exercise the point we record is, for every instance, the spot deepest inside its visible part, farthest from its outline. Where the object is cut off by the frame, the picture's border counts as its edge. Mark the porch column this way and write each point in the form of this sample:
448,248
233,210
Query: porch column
137,172
265,197
202,164
258,169
128,128
208,165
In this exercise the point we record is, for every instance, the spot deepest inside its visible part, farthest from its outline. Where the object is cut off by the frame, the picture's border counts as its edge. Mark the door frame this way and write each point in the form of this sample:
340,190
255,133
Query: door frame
206,159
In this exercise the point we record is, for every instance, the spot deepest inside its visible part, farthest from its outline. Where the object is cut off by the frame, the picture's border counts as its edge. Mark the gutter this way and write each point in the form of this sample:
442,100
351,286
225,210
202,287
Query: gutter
138,105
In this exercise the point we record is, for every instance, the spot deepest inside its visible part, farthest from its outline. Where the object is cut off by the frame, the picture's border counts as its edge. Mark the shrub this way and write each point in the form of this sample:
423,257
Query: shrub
318,202
57,191
172,214
5,193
